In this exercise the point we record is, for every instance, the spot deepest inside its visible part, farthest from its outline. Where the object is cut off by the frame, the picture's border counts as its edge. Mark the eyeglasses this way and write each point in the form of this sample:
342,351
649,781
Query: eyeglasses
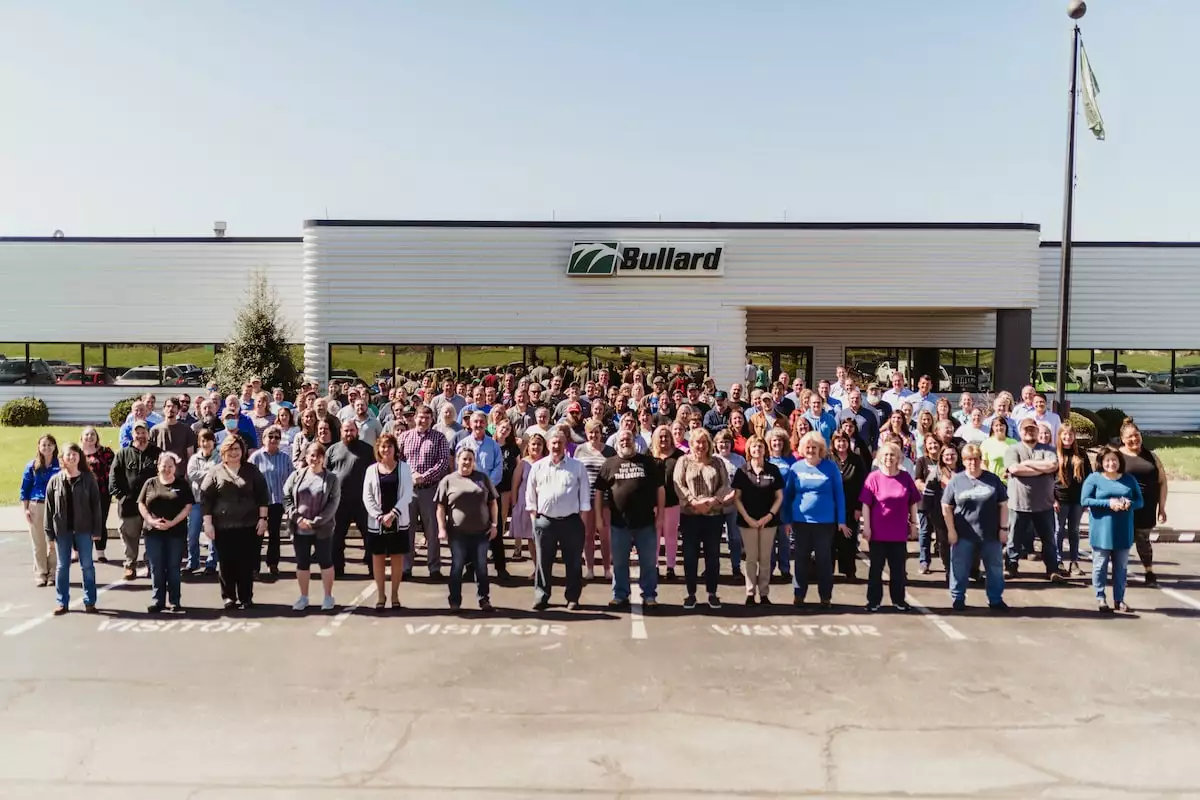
274,436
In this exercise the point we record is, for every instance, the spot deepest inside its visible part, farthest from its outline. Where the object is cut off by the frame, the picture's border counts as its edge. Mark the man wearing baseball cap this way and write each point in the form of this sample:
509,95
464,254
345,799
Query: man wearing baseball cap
717,419
1031,469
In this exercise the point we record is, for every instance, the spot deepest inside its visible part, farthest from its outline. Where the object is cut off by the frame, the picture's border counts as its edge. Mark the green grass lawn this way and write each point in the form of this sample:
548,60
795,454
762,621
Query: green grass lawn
1179,454
19,445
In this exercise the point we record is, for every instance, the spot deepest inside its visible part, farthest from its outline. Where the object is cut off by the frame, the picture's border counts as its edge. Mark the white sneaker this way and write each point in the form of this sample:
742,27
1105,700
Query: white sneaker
327,604
300,604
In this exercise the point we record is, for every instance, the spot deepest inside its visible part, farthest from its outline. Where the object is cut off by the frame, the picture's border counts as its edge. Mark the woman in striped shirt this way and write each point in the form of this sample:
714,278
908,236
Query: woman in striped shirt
593,453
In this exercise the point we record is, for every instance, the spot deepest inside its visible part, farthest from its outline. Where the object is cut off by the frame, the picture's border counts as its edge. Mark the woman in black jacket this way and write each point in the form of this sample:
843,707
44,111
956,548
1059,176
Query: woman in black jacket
854,474
73,522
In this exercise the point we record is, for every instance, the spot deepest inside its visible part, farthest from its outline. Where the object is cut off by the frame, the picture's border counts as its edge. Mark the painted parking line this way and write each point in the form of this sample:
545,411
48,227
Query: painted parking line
637,622
337,621
30,624
1180,596
951,633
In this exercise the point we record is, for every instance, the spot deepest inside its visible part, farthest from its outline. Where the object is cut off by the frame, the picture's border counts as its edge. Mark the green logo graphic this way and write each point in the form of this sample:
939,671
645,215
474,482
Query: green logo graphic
594,258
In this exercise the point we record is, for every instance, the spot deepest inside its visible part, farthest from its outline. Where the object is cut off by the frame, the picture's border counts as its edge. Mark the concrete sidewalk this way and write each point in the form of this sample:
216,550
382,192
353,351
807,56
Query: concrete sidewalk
1183,516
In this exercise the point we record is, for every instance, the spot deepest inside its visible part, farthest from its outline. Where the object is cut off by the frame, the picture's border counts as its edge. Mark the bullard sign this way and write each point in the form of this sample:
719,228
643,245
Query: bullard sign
669,259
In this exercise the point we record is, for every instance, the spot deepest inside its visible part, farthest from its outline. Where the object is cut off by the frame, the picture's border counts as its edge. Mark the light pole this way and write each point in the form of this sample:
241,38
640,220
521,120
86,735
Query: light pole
1075,10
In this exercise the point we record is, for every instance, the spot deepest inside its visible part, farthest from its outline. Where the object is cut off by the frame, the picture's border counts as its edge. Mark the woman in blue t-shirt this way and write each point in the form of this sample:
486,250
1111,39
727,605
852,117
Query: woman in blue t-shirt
1110,496
814,508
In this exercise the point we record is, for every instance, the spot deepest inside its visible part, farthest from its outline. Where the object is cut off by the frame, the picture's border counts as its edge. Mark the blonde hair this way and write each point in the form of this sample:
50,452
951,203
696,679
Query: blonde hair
776,433
890,447
654,451
814,438
971,451
698,435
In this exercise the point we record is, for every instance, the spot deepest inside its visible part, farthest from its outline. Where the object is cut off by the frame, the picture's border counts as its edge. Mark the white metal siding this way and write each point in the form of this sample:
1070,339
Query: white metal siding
1152,412
1122,297
89,404
448,285
830,332
140,291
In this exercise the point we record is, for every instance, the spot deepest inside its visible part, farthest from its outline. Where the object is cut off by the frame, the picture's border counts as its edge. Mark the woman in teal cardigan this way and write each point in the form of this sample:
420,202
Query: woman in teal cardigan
1111,497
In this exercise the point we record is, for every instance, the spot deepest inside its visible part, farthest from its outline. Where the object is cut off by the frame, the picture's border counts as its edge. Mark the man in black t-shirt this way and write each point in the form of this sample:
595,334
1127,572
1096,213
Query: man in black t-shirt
632,489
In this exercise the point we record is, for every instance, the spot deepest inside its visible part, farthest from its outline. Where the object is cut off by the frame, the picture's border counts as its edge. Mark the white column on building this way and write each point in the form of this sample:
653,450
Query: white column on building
316,343
727,352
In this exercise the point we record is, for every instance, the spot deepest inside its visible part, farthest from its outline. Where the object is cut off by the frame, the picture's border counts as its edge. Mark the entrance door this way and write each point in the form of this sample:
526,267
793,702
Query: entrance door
774,361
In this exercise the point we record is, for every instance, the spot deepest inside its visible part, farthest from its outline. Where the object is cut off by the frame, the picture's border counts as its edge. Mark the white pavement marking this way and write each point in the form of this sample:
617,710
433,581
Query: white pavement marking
951,632
30,624
1180,596
1187,537
636,621
337,621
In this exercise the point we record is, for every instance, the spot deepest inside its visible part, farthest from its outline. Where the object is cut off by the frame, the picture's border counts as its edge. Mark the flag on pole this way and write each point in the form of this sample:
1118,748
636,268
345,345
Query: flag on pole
1091,110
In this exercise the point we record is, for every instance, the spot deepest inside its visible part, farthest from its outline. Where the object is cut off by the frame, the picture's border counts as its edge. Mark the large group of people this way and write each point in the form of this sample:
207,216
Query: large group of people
595,465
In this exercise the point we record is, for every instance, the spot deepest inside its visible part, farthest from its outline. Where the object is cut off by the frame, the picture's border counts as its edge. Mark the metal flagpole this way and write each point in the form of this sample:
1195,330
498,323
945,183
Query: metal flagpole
1064,278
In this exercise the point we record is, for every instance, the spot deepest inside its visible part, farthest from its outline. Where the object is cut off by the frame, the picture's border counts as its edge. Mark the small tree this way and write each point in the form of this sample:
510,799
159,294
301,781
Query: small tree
258,345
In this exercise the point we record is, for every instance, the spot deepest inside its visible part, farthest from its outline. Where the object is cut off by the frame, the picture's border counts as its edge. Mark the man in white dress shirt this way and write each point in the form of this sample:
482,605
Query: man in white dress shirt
556,495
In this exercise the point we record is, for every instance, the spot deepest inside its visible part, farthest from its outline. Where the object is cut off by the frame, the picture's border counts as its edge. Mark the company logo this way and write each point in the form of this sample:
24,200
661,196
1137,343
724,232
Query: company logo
593,258
647,258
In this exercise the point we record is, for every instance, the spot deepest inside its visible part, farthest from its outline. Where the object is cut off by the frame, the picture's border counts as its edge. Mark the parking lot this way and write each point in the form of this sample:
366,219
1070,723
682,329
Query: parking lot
1051,700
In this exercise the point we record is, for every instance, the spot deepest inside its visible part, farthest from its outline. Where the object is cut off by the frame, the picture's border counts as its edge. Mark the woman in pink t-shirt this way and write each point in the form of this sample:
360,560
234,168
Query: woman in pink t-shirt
889,499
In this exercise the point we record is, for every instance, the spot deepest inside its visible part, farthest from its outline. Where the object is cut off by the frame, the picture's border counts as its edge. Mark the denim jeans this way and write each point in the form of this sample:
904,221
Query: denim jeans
1069,515
925,538
63,544
962,558
734,533
469,548
163,556
195,528
1120,568
1027,525
646,541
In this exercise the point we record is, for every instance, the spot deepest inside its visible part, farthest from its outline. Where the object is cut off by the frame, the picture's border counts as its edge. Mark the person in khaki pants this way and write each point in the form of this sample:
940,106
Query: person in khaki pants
34,481
132,467
758,494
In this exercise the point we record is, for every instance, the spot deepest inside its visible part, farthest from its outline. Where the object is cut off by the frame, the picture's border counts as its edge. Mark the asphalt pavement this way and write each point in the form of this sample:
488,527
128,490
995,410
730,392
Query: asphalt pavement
1050,700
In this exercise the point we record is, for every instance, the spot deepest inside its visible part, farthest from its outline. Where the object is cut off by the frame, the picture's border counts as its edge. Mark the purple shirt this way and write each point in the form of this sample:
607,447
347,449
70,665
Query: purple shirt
889,498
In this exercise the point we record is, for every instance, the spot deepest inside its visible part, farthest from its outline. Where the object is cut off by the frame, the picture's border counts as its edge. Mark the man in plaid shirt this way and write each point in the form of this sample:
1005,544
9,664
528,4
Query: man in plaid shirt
429,457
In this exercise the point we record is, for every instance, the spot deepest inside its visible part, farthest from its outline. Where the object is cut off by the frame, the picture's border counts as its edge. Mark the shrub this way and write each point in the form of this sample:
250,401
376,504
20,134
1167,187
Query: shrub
121,411
1112,419
1090,416
258,345
1085,429
24,412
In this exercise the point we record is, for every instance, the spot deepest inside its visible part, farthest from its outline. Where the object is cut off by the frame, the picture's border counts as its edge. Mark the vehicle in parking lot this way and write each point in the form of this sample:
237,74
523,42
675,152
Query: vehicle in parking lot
91,377
1046,380
343,375
150,376
19,372
59,367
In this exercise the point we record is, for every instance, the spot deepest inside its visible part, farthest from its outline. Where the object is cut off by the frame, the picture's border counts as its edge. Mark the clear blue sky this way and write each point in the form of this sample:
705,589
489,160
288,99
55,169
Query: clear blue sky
152,117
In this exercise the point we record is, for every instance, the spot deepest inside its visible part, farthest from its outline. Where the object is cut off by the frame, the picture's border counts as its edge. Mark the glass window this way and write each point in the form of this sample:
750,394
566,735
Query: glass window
188,364
796,361
1187,372
133,364
13,366
1138,369
479,358
612,358
61,359
878,363
353,361
692,359
418,359
93,362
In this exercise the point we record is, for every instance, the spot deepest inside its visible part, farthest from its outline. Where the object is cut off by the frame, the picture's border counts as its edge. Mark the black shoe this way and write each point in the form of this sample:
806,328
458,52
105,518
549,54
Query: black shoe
541,605
435,574
1056,577
572,605
1124,607
486,606
1002,607
902,607
619,604
1104,608
1012,570
406,575
689,602
502,575
714,602
737,574
154,608
872,607
177,609
468,575
230,605
650,605
671,575
455,607
978,579
750,600
209,572
787,576
1151,579
960,605
798,602
246,605
826,605
764,601
339,572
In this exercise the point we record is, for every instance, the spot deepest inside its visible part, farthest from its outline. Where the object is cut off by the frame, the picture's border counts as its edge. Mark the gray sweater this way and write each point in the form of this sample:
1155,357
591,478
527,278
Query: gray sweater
320,506
85,502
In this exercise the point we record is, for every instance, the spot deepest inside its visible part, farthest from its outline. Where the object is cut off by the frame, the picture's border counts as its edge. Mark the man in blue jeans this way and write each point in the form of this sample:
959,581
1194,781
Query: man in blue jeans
633,491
